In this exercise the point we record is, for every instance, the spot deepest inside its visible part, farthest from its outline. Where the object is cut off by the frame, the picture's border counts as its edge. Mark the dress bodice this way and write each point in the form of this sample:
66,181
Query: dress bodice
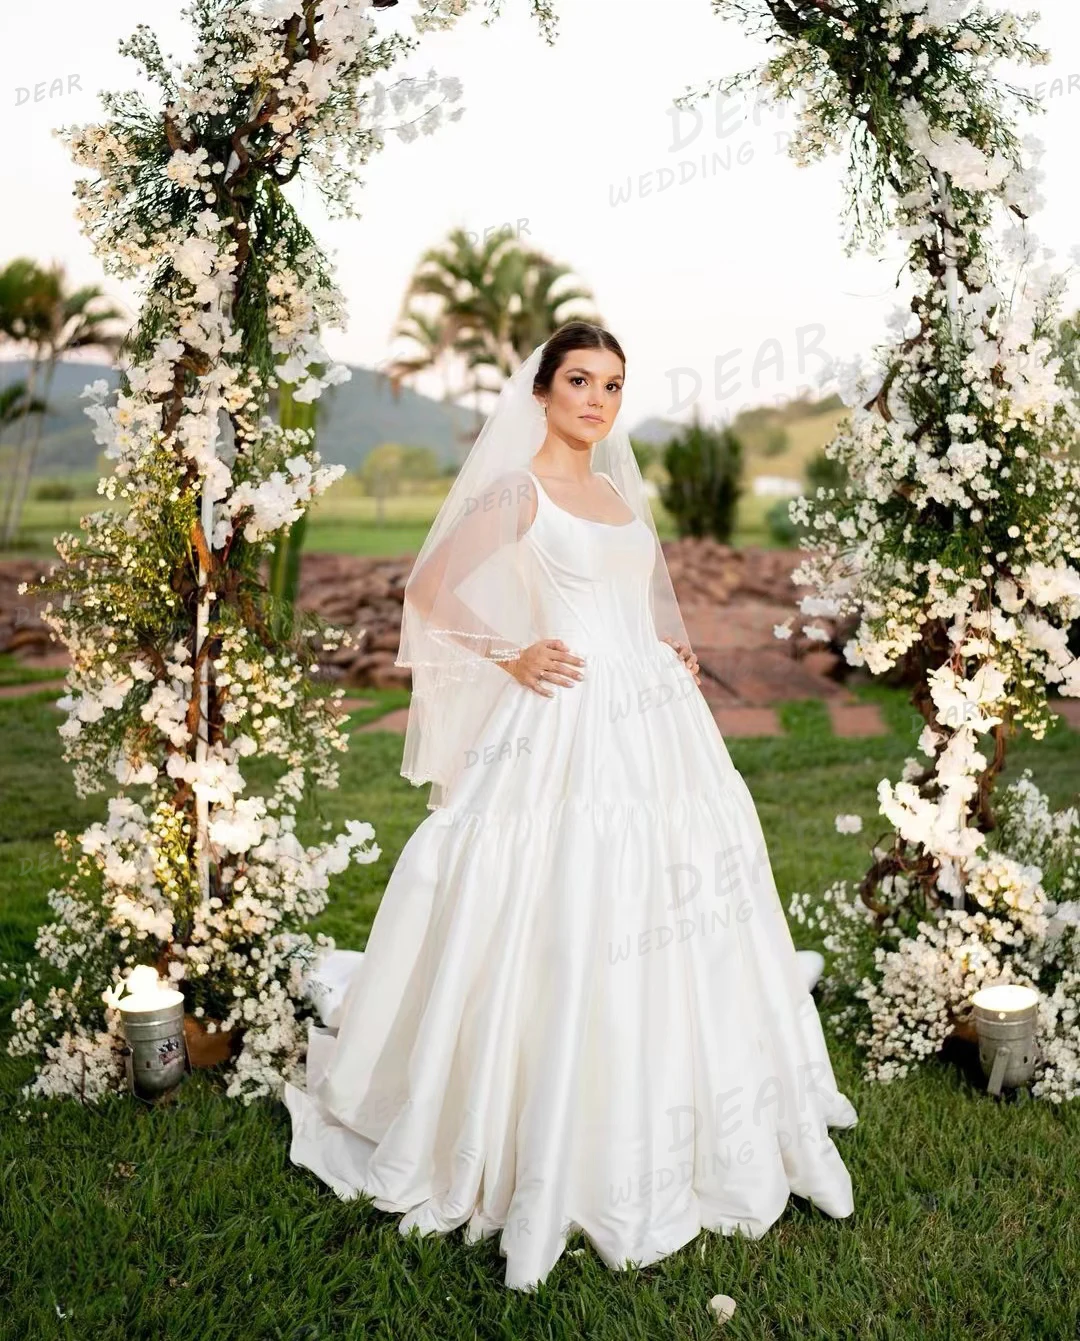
590,581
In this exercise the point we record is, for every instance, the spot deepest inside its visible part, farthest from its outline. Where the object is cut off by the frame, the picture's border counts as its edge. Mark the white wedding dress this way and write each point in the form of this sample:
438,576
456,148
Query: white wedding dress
580,1004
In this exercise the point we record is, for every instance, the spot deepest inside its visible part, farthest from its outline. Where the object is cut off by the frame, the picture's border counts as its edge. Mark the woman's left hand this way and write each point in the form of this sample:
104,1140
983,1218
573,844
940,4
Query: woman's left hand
689,660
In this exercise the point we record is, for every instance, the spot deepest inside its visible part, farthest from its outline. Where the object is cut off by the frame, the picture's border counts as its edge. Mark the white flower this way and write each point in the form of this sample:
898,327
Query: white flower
1048,586
929,740
183,168
194,259
963,161
240,829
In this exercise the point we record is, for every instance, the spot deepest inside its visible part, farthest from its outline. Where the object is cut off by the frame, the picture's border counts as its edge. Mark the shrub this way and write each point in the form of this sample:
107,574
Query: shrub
704,467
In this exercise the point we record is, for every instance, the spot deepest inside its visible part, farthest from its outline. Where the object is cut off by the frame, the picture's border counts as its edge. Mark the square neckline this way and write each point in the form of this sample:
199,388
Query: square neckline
591,521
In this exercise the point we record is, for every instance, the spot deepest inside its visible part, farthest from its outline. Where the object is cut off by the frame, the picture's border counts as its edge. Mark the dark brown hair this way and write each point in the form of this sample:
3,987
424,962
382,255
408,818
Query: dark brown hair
572,335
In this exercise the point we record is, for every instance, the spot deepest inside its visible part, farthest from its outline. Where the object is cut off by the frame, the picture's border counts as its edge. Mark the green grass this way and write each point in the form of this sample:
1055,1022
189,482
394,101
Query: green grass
13,671
188,1220
806,435
346,521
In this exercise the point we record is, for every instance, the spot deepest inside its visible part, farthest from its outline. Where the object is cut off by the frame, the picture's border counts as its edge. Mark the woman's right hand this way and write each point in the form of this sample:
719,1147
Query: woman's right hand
547,662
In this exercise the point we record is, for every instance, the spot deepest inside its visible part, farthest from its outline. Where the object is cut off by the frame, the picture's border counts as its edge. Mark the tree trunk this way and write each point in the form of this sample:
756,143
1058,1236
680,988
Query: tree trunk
9,495
289,542
21,485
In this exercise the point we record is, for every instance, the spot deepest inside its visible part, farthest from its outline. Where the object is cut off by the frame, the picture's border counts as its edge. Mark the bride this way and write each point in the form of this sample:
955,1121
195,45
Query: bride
579,1006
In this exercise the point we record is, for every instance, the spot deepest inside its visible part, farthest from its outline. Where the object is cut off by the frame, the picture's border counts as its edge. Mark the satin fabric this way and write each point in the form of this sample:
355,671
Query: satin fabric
580,1005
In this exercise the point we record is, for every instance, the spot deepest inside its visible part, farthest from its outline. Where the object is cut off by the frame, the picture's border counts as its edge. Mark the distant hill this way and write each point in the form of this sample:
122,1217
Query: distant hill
355,417
655,432
67,444
361,413
778,440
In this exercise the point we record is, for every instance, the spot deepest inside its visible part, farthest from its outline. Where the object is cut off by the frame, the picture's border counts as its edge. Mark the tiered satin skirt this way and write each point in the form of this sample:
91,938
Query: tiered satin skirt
580,1004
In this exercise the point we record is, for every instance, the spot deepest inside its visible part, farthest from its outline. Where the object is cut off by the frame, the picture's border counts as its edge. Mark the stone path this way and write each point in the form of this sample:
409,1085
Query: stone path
35,687
356,704
733,719
393,721
731,602
849,717
744,720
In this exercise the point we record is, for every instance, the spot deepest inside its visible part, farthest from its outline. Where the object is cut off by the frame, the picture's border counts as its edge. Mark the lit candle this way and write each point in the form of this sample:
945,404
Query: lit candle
153,1015
1006,1015
1006,997
142,990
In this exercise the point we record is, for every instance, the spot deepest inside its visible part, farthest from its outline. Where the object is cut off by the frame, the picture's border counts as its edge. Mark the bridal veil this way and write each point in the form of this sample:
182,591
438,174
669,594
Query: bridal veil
467,600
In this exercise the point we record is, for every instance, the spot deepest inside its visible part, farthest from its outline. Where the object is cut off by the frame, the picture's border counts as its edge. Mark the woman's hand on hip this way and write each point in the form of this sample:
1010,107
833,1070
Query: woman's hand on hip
547,662
689,660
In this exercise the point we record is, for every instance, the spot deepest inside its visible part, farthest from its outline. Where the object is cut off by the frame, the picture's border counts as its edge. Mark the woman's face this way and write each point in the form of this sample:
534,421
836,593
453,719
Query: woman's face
585,395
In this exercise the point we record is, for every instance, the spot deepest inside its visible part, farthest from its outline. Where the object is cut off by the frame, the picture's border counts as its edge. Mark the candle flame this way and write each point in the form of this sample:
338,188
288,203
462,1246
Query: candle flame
1005,997
142,989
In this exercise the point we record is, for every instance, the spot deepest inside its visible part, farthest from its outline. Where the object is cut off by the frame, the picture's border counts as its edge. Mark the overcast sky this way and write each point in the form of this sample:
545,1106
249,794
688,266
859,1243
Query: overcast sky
577,147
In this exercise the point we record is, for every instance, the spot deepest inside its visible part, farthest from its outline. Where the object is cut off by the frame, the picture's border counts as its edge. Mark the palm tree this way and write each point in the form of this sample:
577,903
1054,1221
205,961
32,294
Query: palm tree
523,305
55,322
15,402
22,305
429,336
489,304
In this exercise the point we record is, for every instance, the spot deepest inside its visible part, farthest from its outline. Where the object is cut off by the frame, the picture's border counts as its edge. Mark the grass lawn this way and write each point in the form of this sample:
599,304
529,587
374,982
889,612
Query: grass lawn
188,1221
346,521
16,672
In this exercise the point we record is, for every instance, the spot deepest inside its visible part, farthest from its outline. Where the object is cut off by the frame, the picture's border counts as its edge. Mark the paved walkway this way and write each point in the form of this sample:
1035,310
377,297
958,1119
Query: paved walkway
36,687
848,716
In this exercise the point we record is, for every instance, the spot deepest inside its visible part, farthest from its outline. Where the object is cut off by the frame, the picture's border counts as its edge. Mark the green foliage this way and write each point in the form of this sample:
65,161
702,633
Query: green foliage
289,542
704,467
776,442
826,472
16,402
840,59
1066,343
395,468
392,466
59,491
781,528
645,454
419,465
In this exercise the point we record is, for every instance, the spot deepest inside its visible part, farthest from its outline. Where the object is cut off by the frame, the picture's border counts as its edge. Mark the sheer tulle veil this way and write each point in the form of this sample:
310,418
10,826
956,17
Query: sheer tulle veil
467,601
